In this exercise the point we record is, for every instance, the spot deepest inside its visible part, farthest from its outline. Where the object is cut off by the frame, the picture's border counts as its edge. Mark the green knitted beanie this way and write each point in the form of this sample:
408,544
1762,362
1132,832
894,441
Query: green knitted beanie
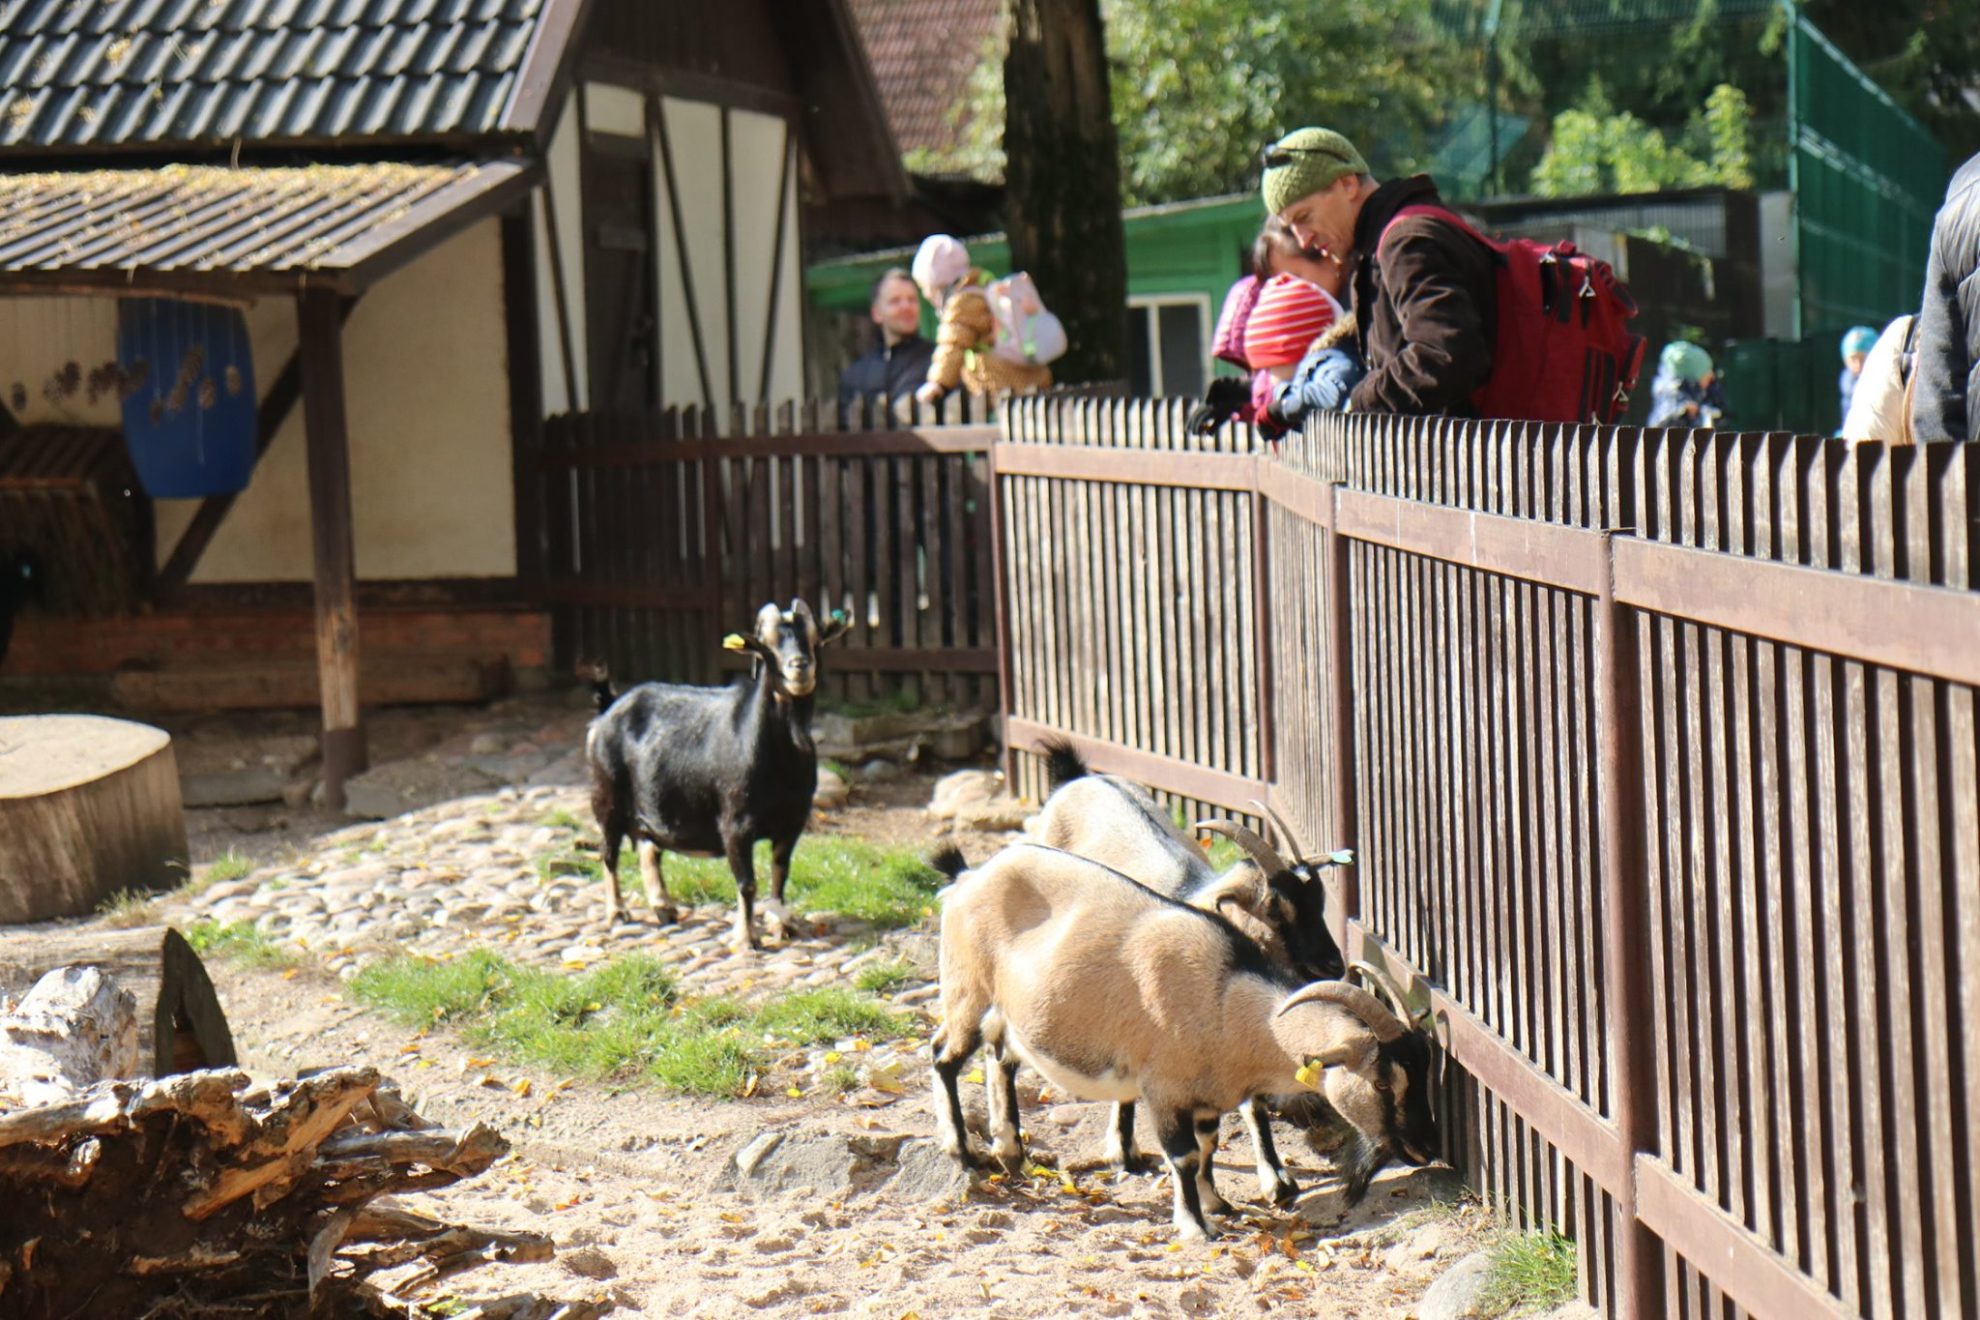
1303,162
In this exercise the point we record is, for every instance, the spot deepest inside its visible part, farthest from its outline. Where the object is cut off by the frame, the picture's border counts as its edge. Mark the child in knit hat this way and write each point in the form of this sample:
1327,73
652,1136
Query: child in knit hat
967,328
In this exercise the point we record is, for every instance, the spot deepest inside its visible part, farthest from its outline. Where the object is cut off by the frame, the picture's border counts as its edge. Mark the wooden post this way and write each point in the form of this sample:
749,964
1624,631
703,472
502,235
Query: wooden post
319,317
1340,689
1626,939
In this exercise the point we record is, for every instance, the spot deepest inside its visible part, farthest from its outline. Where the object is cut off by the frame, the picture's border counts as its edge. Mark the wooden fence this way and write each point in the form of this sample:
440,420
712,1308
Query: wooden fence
662,532
1659,753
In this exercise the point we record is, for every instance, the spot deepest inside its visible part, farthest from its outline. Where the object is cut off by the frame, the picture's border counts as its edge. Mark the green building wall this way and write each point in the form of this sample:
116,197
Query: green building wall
1178,254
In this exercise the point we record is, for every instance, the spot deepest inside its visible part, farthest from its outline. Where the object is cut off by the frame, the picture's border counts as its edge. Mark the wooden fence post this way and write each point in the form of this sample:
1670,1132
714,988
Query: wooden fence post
999,590
1340,682
1261,623
1626,938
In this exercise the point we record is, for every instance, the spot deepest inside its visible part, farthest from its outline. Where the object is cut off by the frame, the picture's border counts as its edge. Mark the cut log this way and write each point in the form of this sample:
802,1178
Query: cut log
180,1024
75,1028
89,807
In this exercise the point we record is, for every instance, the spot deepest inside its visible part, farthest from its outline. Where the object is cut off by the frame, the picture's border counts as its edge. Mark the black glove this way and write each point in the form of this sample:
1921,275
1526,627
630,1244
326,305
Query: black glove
1226,396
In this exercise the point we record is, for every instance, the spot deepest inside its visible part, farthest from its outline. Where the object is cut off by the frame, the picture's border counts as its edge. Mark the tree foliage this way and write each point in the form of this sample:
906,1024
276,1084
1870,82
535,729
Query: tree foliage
1595,149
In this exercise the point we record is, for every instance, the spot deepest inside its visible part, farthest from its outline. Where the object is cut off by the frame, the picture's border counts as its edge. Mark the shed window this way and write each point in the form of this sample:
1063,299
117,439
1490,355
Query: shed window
1167,345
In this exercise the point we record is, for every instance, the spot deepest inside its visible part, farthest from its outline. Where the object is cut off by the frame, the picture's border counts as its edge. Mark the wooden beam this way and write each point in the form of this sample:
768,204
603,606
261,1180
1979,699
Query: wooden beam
320,319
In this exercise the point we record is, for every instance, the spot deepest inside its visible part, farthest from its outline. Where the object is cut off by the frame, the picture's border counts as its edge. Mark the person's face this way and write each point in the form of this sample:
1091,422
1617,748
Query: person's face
1321,272
1855,363
1325,220
897,309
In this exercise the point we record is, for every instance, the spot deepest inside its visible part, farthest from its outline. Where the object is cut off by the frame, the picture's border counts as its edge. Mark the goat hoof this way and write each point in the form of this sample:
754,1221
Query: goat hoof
1282,1193
1136,1166
666,916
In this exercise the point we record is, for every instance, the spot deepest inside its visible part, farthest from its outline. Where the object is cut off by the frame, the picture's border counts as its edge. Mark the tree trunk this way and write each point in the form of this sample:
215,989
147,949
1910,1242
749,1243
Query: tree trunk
180,1024
88,806
1062,178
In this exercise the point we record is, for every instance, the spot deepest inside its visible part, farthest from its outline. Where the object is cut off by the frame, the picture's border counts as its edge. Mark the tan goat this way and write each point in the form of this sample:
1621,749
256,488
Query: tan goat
1111,991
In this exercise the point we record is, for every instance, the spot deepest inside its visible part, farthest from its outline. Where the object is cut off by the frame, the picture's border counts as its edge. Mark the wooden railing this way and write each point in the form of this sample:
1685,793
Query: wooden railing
1658,751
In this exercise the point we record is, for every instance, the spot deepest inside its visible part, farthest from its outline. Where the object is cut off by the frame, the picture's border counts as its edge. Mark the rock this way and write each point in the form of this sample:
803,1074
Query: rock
878,772
232,788
486,744
831,792
963,789
999,813
300,792
401,786
1426,1242
778,1161
1456,1292
589,1262
927,1173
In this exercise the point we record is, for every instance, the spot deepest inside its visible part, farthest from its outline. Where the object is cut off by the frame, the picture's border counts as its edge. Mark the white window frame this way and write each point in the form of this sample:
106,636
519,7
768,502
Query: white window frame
1154,301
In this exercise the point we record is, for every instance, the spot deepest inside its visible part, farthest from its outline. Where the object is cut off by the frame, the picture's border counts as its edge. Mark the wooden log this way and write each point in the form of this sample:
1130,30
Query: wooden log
89,806
75,1028
180,1023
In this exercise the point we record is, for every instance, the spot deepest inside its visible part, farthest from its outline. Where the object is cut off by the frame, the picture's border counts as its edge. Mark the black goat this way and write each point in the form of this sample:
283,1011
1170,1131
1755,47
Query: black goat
709,770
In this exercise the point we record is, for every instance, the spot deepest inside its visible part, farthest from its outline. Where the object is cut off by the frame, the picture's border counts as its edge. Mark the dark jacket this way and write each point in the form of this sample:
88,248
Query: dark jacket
1945,402
1427,306
894,373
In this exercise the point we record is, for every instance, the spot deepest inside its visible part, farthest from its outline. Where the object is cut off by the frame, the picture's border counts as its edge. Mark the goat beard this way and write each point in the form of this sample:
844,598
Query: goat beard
1364,1159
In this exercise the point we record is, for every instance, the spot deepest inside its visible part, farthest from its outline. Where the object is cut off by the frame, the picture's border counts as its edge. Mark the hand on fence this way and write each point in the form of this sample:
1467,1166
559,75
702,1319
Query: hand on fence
1226,396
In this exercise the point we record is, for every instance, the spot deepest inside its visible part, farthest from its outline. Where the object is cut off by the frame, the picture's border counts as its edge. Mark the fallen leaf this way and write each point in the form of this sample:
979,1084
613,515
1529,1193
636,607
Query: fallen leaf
795,1092
833,1056
974,1076
290,974
521,1085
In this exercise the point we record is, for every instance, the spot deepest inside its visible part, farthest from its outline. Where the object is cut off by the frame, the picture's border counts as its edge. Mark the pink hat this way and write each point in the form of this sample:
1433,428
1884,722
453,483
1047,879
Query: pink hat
1289,316
1227,345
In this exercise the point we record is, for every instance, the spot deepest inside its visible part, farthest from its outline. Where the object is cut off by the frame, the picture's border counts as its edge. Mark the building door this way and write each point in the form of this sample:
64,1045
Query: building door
621,322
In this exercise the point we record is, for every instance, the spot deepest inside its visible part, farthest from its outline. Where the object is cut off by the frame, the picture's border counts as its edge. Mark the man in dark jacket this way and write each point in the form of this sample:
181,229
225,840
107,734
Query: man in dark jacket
899,362
1425,292
1945,400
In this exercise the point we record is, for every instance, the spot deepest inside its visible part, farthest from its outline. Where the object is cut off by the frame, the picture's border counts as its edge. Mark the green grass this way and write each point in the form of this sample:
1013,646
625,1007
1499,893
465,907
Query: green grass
229,865
883,978
622,1020
237,942
839,1079
1530,1273
888,887
836,767
127,907
561,819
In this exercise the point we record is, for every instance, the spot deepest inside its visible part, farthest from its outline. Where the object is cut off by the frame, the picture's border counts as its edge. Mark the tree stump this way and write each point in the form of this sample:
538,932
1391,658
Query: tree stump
181,1026
89,806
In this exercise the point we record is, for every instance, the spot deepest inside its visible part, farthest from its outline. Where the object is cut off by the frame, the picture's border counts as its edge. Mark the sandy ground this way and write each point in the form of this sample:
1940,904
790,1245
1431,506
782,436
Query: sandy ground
638,1191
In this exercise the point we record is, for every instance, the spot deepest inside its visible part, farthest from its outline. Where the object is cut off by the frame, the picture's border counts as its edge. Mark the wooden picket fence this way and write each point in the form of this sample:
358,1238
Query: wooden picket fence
1658,751
660,533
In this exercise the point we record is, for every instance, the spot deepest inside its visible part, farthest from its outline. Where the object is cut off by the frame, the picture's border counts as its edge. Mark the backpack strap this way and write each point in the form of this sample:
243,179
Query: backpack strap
1449,217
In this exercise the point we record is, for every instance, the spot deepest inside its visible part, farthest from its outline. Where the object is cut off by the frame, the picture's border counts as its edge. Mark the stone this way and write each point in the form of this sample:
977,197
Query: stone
589,1262
999,813
831,792
486,744
397,787
928,1173
963,788
232,788
779,1161
878,772
1456,1292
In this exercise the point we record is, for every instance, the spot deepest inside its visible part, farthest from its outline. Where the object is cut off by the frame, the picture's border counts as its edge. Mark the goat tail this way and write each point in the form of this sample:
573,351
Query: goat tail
600,678
1063,763
949,860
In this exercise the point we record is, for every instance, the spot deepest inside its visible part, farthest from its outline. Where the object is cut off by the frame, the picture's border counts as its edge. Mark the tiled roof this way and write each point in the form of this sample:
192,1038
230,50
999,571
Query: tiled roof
90,73
923,52
340,225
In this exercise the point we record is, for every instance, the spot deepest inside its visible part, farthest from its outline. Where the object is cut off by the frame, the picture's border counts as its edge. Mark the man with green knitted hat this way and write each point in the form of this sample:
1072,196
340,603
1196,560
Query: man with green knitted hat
1424,289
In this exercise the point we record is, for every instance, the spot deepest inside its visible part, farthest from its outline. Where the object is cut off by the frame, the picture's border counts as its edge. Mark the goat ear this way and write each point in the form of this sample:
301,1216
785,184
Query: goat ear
769,624
835,627
1244,884
801,611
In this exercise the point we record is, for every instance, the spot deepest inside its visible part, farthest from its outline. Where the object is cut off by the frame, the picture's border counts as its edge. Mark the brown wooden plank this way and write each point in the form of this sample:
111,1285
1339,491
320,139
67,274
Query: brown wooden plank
1960,491
856,509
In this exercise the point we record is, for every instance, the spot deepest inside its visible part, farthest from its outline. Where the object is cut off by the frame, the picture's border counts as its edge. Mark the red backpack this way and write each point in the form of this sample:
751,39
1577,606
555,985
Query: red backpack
1563,351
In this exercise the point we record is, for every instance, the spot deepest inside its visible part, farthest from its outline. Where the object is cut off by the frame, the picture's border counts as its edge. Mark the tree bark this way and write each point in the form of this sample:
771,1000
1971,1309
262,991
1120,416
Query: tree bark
1062,177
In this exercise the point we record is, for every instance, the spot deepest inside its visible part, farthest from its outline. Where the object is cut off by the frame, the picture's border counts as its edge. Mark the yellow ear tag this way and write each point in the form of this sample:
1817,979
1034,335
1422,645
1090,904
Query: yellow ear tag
734,642
1308,1076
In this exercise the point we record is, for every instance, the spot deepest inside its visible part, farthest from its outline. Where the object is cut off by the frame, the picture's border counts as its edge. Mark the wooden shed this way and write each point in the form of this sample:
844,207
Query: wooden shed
440,221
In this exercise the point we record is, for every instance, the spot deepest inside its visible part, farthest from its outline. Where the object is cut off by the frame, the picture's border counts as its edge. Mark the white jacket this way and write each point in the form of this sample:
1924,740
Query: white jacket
1878,411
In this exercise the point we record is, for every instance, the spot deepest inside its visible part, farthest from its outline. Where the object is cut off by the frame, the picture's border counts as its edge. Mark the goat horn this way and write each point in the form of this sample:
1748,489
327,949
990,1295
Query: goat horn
1372,1011
1260,851
1381,980
1285,831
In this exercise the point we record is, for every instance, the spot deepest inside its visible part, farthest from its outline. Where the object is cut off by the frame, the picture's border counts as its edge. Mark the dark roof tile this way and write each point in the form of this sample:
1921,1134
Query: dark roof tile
155,72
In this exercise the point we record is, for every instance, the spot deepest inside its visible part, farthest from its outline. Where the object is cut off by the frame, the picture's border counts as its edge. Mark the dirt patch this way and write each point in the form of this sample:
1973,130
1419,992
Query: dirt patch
645,1199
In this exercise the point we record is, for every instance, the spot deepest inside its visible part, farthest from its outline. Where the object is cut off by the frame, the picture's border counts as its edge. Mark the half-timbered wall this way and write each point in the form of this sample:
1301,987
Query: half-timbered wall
722,251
